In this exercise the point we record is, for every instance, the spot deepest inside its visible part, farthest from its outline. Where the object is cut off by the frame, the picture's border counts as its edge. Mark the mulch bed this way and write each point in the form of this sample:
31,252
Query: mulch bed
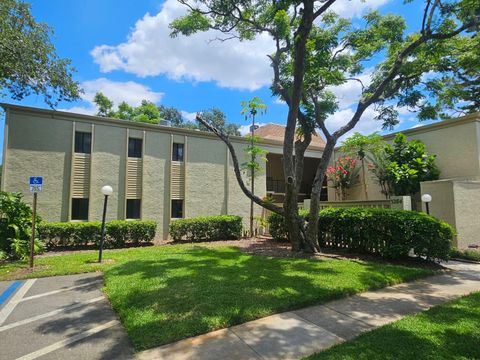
265,246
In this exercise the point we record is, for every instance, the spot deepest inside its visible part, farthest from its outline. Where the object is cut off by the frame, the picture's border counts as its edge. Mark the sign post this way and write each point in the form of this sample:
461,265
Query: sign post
36,183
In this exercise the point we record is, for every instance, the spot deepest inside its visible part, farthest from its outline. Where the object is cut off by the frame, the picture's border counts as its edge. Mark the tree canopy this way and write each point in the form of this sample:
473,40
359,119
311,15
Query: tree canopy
148,112
316,49
28,60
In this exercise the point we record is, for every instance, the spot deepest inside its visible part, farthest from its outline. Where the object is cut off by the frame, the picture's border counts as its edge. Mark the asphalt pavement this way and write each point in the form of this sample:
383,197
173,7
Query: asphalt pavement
62,317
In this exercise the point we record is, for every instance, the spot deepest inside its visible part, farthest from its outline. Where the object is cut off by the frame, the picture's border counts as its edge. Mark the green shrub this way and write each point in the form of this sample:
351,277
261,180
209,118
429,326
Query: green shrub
276,225
76,234
15,226
385,232
218,227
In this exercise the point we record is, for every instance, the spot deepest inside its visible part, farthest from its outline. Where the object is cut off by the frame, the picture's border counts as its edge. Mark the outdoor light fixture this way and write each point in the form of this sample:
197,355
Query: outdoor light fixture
426,198
107,190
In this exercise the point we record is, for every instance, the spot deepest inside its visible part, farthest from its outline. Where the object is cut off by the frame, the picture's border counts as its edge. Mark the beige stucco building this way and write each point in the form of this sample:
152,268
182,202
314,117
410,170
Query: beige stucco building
456,195
157,172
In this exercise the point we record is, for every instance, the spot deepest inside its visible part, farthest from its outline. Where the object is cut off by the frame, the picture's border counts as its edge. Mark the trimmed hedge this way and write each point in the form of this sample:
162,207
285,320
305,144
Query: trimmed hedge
76,234
218,227
385,232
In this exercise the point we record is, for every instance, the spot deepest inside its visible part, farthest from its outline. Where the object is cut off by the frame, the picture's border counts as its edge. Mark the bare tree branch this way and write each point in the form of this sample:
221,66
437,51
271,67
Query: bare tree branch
236,167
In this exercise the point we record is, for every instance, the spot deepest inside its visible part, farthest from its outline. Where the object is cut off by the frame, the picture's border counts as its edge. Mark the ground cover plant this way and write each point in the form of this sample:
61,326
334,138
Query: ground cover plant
166,293
448,331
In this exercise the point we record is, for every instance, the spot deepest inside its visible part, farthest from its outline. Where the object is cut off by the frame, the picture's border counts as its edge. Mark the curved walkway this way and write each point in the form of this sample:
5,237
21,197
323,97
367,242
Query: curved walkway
295,334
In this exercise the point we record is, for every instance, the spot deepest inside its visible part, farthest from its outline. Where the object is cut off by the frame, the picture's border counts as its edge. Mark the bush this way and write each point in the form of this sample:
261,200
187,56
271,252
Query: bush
220,227
76,234
385,232
15,227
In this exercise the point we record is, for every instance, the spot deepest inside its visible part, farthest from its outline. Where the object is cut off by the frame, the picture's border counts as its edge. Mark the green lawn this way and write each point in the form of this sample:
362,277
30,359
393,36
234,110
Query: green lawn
449,331
163,294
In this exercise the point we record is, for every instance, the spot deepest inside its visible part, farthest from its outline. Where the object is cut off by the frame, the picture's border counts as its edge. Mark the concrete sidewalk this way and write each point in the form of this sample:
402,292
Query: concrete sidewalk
295,334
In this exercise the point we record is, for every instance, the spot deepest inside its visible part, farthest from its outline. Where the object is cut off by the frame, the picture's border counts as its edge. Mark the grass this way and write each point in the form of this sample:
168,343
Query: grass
163,294
467,254
449,331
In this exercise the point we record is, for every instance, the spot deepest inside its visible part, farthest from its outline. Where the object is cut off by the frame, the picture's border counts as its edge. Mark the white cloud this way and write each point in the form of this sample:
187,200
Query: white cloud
355,8
245,129
349,93
149,51
190,116
129,91
366,125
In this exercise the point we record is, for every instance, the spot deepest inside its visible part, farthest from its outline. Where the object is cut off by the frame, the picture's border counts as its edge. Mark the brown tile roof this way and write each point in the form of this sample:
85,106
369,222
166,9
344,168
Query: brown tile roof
277,132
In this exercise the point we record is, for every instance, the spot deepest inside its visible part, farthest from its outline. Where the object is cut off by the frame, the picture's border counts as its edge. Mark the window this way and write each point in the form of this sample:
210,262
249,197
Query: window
177,154
133,208
177,209
83,142
79,209
134,148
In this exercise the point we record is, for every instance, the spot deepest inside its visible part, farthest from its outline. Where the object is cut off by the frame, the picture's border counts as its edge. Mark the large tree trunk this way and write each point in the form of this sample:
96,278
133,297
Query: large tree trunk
289,167
312,227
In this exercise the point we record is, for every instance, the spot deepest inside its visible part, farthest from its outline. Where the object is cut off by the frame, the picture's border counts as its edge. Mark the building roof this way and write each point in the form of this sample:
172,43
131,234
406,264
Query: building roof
277,132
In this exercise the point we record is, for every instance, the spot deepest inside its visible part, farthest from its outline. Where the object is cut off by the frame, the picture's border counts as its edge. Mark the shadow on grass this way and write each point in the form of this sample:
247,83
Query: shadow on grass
167,298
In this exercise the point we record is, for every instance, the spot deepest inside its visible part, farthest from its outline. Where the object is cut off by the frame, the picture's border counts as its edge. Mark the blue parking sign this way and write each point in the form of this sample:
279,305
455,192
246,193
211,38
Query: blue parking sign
36,183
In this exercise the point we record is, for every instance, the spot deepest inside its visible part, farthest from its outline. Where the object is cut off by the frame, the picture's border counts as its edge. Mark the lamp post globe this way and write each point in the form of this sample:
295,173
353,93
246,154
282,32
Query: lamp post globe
107,190
427,198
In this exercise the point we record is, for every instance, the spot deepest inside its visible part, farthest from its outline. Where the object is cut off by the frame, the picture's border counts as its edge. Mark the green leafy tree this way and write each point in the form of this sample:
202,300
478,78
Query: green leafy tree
409,165
104,105
316,49
378,164
360,146
147,112
28,60
124,111
171,114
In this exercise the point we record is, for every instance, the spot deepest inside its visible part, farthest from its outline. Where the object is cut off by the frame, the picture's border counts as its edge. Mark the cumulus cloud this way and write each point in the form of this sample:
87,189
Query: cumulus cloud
355,8
150,51
366,125
129,91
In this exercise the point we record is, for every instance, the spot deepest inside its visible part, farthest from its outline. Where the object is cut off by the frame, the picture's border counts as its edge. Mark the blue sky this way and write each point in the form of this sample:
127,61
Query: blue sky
122,48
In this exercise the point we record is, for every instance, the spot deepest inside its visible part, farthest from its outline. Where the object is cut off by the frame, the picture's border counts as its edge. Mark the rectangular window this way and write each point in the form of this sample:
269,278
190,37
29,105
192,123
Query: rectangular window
177,209
134,148
79,209
83,142
177,154
133,208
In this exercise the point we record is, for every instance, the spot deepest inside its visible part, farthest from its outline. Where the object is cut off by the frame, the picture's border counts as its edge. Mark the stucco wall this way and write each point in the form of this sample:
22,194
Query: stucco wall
454,142
467,217
38,146
39,143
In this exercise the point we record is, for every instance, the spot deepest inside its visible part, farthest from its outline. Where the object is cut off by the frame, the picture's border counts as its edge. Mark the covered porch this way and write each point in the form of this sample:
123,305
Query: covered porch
276,180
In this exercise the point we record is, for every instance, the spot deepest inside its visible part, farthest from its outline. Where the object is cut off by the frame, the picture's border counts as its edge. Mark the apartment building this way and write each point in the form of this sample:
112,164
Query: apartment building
157,172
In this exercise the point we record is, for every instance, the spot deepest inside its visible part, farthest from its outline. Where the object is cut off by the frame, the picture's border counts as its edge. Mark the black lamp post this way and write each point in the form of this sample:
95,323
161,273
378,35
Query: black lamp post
426,198
107,191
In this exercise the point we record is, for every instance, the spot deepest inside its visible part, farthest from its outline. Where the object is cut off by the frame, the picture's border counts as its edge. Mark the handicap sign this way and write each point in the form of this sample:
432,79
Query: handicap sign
36,183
